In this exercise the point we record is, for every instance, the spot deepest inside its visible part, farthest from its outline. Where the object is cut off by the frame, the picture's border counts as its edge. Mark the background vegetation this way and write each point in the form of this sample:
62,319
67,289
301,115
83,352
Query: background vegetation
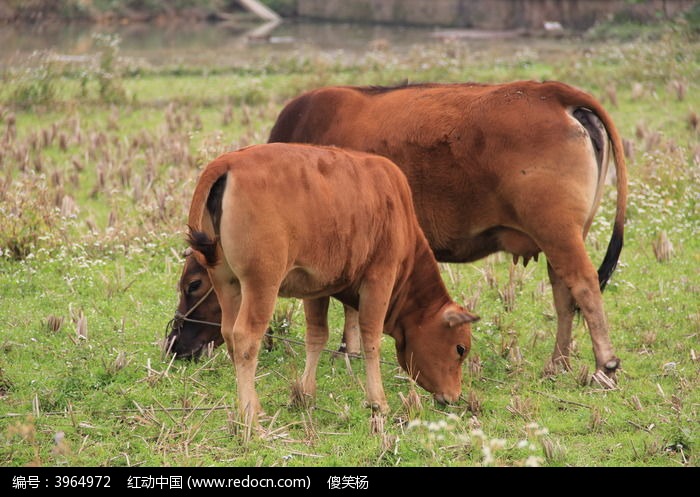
98,160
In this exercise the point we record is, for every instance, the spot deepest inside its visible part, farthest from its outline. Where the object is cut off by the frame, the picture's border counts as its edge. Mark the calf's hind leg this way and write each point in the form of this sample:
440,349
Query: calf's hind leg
256,310
316,313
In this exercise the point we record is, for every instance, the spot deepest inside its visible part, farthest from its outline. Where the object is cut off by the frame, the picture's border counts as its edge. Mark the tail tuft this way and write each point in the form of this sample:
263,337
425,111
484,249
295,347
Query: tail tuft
610,261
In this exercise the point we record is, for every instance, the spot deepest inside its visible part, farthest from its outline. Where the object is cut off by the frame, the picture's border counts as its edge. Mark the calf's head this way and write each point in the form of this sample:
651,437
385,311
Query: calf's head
432,350
196,324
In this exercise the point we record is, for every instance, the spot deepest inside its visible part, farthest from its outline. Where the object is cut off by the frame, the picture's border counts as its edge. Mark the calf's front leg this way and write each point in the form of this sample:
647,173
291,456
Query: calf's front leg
374,302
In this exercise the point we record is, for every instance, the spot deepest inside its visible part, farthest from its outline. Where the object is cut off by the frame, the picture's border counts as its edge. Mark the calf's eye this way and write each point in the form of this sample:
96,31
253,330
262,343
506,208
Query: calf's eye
461,350
194,286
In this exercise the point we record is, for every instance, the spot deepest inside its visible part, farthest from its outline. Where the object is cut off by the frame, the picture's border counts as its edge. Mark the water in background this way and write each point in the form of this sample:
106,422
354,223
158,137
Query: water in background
238,43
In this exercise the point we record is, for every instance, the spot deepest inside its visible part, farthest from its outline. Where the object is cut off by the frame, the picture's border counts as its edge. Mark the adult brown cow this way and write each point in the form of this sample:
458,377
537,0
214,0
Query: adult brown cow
516,167
313,222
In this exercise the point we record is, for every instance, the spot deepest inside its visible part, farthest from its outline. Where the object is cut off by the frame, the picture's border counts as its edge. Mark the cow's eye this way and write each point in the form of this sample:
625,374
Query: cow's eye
194,286
461,349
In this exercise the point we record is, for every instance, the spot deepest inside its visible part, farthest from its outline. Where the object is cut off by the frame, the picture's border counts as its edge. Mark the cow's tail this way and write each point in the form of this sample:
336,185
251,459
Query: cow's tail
573,97
205,209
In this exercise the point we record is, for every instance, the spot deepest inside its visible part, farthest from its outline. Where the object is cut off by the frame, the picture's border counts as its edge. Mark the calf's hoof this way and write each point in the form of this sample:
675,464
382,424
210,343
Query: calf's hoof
378,407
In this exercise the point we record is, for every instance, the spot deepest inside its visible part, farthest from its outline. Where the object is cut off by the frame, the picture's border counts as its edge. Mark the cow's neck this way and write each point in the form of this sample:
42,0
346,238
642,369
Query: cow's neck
419,293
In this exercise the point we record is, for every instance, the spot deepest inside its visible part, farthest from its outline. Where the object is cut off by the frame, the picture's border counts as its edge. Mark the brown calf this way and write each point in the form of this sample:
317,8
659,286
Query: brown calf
318,222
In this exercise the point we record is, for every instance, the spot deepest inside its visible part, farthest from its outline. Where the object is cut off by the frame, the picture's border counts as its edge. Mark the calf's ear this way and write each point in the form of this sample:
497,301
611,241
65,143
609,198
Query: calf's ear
455,318
200,258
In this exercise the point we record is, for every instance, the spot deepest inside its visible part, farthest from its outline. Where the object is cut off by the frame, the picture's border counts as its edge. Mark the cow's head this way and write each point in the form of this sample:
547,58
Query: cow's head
433,350
196,324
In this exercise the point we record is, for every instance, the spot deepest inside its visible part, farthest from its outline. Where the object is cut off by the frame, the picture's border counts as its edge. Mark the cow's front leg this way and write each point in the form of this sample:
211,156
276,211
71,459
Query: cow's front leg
316,313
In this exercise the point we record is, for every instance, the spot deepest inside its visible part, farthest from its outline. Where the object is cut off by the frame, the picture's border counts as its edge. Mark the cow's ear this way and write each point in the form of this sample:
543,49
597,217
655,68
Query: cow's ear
455,318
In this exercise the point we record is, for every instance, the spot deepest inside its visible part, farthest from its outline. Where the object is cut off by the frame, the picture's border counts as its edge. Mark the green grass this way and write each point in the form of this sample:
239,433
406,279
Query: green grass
94,198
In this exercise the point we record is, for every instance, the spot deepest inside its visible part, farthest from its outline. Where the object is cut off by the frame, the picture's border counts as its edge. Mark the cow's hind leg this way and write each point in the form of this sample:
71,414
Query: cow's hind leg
573,267
564,305
316,312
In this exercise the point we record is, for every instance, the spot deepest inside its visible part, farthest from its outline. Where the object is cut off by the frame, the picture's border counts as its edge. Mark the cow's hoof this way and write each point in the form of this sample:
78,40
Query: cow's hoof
611,366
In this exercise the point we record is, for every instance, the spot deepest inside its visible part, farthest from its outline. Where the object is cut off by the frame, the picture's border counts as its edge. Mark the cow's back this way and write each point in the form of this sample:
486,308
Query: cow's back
372,118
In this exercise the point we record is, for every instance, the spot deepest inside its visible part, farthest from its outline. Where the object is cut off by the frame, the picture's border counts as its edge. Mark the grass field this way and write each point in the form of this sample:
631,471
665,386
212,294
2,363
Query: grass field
98,163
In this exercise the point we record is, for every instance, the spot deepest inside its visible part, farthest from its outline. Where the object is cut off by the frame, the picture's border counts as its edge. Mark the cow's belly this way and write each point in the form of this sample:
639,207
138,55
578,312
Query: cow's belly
496,239
517,243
